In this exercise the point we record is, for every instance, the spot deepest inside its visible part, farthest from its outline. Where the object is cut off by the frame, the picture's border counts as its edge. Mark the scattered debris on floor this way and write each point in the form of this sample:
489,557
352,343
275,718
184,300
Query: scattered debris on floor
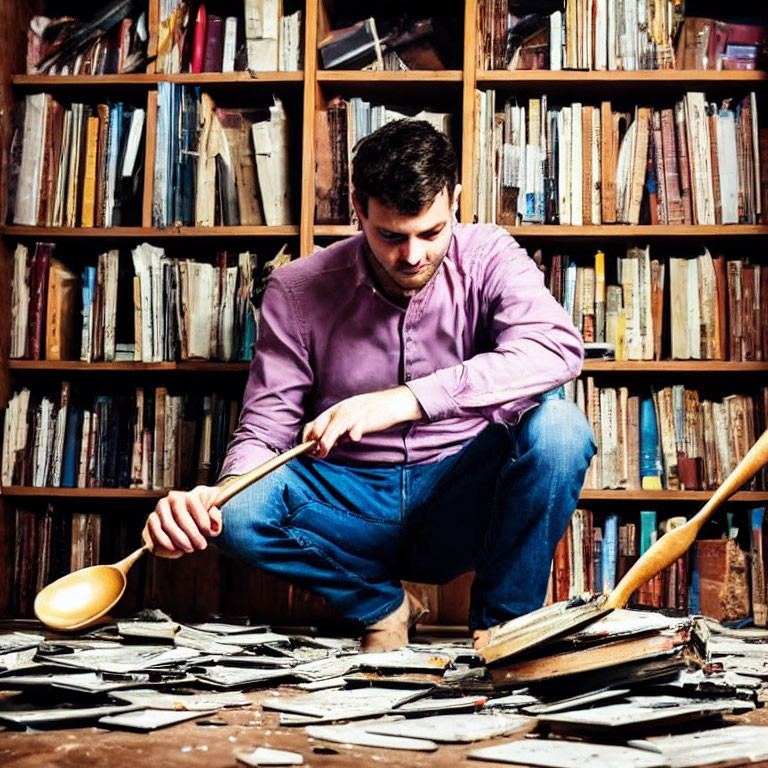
643,690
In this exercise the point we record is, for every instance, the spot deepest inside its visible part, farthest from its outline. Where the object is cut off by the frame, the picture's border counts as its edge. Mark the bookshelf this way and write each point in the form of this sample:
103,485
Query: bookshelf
305,92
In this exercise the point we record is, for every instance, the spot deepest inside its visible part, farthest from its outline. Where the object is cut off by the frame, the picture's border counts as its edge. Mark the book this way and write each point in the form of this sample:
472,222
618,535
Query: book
757,567
723,583
61,307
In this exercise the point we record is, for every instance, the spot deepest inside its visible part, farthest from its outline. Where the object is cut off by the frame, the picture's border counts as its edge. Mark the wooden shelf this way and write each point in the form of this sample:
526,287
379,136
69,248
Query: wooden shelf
556,231
424,76
756,497
673,366
140,79
203,366
140,233
23,491
335,230
640,231
679,77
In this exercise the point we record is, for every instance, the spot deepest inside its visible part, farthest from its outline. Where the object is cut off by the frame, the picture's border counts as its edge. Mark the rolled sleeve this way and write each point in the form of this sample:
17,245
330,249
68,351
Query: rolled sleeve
536,346
279,378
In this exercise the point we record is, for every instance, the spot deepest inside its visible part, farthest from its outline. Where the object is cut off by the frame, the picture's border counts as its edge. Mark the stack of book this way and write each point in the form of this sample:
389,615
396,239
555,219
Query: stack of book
217,166
692,308
673,440
261,39
693,162
181,309
615,35
113,41
151,439
593,556
339,126
76,166
191,310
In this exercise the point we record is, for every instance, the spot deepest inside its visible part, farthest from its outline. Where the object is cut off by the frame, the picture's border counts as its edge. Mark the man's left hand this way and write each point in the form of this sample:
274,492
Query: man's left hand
359,415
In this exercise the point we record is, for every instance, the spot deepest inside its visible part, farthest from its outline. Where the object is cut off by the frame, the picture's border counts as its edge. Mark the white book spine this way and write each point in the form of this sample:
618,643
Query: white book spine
230,44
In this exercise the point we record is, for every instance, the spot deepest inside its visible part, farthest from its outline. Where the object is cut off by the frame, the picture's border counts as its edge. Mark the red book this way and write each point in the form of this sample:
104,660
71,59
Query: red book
38,285
198,45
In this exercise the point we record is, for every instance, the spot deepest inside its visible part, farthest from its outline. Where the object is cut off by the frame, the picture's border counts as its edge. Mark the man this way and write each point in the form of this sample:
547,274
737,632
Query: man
415,354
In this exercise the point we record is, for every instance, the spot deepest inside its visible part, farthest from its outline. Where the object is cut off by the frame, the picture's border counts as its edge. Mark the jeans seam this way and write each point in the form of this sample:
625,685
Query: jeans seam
291,514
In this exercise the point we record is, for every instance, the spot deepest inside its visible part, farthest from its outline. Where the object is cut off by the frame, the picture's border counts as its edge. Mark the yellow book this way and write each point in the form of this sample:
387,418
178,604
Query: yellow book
599,296
89,180
60,332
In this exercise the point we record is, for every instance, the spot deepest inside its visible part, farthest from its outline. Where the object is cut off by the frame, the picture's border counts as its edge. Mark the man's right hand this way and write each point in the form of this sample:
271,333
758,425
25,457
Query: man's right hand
182,520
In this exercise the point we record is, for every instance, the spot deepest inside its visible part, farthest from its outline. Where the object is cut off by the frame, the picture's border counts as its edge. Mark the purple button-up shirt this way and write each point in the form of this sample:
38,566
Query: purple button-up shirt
476,344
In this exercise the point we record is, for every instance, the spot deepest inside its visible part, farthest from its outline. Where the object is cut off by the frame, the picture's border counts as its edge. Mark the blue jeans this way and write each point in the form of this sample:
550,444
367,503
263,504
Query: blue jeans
351,533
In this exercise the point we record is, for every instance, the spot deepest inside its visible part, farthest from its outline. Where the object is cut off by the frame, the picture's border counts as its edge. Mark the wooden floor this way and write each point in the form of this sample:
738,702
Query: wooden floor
188,744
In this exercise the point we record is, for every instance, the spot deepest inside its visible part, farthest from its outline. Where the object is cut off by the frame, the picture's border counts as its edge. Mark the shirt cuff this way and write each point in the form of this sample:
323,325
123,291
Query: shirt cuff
436,402
238,462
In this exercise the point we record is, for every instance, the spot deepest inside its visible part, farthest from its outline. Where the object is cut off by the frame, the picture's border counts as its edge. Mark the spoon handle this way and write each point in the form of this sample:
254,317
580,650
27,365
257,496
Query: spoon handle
124,564
226,491
236,484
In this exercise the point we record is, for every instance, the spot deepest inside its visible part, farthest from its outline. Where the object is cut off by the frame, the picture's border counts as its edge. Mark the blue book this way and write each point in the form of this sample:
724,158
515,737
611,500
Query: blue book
694,594
647,529
651,467
610,552
88,287
71,448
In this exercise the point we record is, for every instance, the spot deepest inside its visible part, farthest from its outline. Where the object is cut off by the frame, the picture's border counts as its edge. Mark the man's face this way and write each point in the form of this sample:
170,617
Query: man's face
407,250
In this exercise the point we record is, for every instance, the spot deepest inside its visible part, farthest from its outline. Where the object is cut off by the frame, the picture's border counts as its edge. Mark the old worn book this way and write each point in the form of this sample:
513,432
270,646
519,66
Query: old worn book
270,140
74,188
699,157
529,631
735,309
684,164
678,287
586,165
757,560
88,206
28,192
54,123
236,124
209,146
723,581
262,19
666,644
38,286
61,332
608,153
638,164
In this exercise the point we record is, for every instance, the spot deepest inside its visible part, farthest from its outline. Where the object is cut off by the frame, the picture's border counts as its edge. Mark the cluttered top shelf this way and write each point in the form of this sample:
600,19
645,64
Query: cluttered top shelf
692,77
108,233
148,80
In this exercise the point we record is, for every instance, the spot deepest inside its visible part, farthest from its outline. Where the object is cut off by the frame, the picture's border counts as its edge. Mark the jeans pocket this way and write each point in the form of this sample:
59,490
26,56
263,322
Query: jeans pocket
352,540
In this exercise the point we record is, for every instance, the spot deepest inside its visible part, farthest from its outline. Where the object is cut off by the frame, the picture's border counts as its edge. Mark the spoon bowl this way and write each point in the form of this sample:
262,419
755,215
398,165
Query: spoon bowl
81,598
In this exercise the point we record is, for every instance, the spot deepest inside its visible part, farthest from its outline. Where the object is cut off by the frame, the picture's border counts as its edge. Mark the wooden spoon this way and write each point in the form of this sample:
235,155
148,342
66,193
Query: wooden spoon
81,598
565,617
676,542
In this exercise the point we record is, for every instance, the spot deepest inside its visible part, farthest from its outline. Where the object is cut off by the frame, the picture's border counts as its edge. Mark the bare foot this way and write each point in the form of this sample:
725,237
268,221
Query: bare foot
391,632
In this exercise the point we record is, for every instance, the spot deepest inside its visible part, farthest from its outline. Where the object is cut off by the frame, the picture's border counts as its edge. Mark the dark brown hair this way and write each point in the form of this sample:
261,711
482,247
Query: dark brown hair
405,164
